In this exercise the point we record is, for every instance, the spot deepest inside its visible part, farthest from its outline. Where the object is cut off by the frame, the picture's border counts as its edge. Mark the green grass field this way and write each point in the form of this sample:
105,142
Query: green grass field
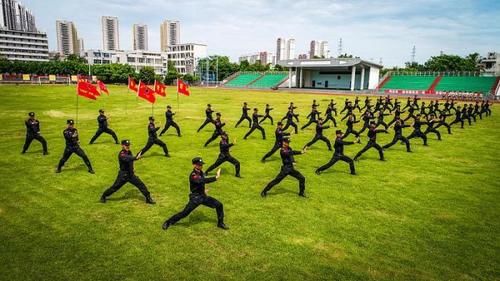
428,215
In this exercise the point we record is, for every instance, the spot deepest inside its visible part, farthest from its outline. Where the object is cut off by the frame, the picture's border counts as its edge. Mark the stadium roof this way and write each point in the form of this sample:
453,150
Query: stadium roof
328,63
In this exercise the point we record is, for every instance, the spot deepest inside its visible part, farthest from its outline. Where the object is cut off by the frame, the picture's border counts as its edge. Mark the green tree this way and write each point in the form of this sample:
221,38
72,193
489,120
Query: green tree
147,74
172,73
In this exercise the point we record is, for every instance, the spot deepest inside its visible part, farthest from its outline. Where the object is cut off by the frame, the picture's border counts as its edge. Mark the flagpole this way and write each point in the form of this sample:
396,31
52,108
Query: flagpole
77,98
177,94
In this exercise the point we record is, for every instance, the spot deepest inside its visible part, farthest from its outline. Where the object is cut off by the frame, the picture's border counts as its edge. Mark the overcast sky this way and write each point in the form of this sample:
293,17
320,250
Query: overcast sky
372,30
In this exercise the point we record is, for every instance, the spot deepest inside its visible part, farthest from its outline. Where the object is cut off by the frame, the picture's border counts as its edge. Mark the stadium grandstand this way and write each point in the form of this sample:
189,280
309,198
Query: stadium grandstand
439,83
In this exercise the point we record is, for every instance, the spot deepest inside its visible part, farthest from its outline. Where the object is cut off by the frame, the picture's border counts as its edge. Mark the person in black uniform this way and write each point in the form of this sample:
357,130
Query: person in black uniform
255,125
332,105
411,113
458,117
397,115
465,114
208,117
329,115
73,146
224,155
350,124
289,121
477,111
442,121
432,121
356,104
349,109
346,104
244,116
169,115
319,135
408,103
292,108
153,138
398,135
367,118
338,155
287,168
313,117
279,133
415,102
268,115
198,196
102,121
470,113
372,142
218,129
127,174
417,132
380,119
33,133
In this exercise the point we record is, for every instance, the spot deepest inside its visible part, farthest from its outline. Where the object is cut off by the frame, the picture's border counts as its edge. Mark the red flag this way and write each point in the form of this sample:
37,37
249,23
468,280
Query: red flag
146,93
86,90
183,88
102,87
160,88
132,85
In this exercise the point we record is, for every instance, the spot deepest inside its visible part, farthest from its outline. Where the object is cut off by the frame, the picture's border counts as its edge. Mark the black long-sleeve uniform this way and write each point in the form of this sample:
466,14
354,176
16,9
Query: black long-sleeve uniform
279,133
33,133
431,128
287,169
197,197
73,146
102,121
256,126
169,116
319,136
398,136
329,116
208,118
417,132
217,132
244,116
267,115
350,128
458,119
289,121
313,118
338,155
153,139
372,142
224,156
127,174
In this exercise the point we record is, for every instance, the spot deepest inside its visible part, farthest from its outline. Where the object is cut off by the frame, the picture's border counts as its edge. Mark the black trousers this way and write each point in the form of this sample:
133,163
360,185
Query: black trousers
30,138
311,121
335,159
408,117
68,151
206,122
322,138
104,130
461,121
223,158
446,125
418,134
123,178
383,124
267,116
330,117
275,148
396,139
291,123
156,141
196,200
214,136
254,127
244,117
350,131
287,171
369,145
365,126
173,124
433,130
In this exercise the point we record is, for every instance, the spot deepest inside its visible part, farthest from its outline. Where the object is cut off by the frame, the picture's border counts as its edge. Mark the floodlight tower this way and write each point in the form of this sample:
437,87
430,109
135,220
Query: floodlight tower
413,52
339,50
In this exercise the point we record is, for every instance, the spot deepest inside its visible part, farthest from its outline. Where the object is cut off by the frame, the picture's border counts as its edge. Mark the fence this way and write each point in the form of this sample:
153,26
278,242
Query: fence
8,78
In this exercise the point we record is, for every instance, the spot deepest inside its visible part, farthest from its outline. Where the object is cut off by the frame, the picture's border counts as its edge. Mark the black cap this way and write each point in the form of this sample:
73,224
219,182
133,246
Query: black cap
338,132
168,106
126,142
244,102
70,122
218,114
280,123
31,114
198,161
101,110
209,105
151,118
372,123
286,139
255,109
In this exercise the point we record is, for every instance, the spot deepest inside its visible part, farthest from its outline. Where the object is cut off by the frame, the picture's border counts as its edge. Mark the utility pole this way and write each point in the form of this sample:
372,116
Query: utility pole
413,52
339,50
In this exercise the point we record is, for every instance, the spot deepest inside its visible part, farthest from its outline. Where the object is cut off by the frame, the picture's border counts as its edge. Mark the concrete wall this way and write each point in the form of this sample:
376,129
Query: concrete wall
334,81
